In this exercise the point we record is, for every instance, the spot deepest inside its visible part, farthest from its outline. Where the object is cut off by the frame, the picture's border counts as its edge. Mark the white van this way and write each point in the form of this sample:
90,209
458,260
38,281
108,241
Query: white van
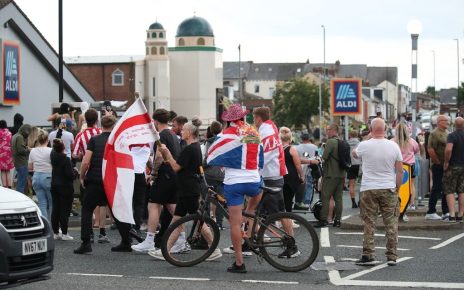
26,238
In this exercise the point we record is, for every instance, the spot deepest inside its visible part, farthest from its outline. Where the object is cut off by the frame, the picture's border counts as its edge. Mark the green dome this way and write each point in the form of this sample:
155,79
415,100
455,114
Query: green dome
195,26
156,25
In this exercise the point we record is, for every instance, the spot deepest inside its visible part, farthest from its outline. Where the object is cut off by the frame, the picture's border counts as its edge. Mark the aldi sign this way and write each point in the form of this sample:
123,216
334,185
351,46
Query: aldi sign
11,73
346,96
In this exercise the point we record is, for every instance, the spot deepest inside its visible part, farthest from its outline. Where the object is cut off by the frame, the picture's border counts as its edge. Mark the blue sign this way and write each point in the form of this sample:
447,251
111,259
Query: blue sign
11,73
346,96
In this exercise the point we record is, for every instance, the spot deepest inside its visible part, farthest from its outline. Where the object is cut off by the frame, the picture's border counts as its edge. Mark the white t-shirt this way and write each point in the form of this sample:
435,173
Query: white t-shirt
378,157
68,140
306,148
40,159
233,176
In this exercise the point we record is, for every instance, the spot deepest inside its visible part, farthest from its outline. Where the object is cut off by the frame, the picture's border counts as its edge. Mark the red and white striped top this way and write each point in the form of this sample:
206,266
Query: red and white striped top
82,139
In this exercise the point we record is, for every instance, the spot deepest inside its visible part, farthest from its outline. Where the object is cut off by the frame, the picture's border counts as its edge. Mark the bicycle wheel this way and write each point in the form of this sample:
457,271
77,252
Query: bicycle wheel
201,239
283,250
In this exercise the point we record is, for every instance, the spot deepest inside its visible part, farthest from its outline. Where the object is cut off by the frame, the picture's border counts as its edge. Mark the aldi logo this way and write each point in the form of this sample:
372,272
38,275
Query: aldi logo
11,73
346,96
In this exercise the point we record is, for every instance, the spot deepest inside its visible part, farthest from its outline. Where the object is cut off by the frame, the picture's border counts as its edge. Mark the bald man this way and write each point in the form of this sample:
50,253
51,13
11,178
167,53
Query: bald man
382,167
436,149
453,179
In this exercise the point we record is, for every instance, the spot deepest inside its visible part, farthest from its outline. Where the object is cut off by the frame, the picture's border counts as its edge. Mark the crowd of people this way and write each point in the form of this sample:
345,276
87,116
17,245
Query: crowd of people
167,177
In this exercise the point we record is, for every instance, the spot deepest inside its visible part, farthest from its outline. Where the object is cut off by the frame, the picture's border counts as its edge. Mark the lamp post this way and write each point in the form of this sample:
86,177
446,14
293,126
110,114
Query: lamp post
434,85
457,88
414,28
320,85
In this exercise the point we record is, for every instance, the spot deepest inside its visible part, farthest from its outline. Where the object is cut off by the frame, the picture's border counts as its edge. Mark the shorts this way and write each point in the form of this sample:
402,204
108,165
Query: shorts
95,193
164,190
453,180
186,205
235,193
273,203
353,172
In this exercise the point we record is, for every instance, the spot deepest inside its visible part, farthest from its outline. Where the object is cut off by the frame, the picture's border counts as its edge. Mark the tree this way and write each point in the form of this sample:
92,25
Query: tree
430,91
296,102
460,96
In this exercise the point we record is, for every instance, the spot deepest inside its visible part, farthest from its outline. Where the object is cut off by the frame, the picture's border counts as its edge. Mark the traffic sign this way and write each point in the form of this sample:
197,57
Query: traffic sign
346,96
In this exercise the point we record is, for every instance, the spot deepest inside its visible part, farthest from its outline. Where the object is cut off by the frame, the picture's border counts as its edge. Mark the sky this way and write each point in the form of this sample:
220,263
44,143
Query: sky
372,32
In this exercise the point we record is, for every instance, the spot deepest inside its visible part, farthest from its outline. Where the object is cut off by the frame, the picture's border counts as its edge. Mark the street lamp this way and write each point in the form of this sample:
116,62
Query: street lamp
320,86
457,89
434,85
414,28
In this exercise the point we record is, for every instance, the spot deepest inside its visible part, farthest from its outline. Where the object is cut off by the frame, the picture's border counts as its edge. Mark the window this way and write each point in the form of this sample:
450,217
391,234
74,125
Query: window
162,50
153,35
153,50
161,35
201,41
256,89
154,87
181,42
117,78
271,92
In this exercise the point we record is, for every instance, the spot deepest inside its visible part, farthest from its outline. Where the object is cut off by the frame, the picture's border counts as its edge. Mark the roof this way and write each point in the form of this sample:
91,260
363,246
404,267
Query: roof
340,70
263,71
103,59
230,69
377,75
156,25
195,26
447,96
3,3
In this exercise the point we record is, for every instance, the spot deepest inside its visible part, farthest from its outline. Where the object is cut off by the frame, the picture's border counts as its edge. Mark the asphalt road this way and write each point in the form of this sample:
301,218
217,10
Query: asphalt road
428,259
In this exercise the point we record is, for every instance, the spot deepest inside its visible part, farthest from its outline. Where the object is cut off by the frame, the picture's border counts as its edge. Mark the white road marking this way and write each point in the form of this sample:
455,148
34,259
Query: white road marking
360,247
447,242
94,275
346,217
349,259
180,278
325,241
403,237
270,282
381,266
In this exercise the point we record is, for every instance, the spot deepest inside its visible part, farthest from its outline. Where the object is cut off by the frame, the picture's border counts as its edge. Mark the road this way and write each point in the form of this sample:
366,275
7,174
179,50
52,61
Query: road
428,259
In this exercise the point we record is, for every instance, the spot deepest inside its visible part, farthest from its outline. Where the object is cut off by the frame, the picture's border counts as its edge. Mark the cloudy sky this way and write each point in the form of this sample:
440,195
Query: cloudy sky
372,32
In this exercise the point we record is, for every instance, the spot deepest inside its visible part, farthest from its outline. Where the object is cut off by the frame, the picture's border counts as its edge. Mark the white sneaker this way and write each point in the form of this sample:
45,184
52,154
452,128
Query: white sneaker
266,238
179,248
57,236
295,225
445,216
67,237
245,252
156,254
412,207
432,216
216,254
405,218
144,247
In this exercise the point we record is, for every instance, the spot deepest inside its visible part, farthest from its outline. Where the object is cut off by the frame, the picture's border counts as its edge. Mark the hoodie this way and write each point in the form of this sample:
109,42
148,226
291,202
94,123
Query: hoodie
19,146
17,123
62,172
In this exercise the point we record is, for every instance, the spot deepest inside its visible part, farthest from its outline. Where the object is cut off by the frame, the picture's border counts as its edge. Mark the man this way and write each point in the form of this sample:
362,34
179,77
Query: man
333,179
436,149
92,181
453,180
381,158
61,133
353,171
21,155
306,150
177,124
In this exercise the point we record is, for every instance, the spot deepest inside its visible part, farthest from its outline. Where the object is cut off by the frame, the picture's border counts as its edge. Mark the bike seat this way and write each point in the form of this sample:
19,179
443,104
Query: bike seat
271,190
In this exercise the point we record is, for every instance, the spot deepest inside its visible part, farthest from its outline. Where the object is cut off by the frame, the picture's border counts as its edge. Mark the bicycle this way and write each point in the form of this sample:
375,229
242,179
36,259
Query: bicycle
268,238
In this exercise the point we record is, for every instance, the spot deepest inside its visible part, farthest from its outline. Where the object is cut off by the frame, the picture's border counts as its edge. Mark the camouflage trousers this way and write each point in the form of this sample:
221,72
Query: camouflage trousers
385,202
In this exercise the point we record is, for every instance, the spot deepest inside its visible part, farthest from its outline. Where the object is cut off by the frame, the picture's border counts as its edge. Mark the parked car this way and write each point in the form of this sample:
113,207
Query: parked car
26,238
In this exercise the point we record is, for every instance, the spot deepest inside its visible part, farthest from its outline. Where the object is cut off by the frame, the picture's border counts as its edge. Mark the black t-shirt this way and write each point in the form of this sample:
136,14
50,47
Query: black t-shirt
189,176
97,145
168,138
457,156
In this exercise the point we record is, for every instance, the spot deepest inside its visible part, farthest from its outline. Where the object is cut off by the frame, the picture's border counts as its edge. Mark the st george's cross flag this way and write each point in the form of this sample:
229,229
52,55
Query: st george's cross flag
134,127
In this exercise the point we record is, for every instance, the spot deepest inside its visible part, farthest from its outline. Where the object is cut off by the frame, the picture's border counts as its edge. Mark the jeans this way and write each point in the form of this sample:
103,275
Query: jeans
42,184
21,178
309,190
437,190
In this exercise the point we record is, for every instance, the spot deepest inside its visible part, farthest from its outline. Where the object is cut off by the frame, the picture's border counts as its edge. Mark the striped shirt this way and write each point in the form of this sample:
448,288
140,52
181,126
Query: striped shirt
82,139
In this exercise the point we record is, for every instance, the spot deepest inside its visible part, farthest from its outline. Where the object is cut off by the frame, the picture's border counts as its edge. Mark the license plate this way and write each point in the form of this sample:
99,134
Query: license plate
34,247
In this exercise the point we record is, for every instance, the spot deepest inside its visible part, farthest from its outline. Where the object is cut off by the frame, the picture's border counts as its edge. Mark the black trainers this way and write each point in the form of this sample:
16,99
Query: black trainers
237,269
92,238
321,224
459,219
449,219
354,205
122,248
365,261
337,224
391,262
290,253
83,248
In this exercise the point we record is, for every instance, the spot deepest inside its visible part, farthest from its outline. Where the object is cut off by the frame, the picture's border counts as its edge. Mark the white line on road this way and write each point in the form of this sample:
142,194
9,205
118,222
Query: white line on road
346,217
325,241
447,242
362,273
349,259
403,237
360,247
181,278
95,275
270,282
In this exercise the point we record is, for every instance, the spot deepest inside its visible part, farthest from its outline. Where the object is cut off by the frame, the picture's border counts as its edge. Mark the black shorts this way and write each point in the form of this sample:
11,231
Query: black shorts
353,172
187,205
94,194
164,190
273,203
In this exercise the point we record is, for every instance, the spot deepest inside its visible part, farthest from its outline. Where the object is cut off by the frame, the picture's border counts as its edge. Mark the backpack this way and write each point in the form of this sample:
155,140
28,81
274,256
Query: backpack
344,155
212,173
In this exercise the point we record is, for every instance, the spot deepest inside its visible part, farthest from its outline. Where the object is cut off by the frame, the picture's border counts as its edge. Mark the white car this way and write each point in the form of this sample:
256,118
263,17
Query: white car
26,238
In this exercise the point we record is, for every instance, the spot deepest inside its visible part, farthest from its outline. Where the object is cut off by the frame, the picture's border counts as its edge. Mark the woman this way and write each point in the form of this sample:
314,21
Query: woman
6,155
294,177
187,167
353,172
409,148
62,190
40,164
